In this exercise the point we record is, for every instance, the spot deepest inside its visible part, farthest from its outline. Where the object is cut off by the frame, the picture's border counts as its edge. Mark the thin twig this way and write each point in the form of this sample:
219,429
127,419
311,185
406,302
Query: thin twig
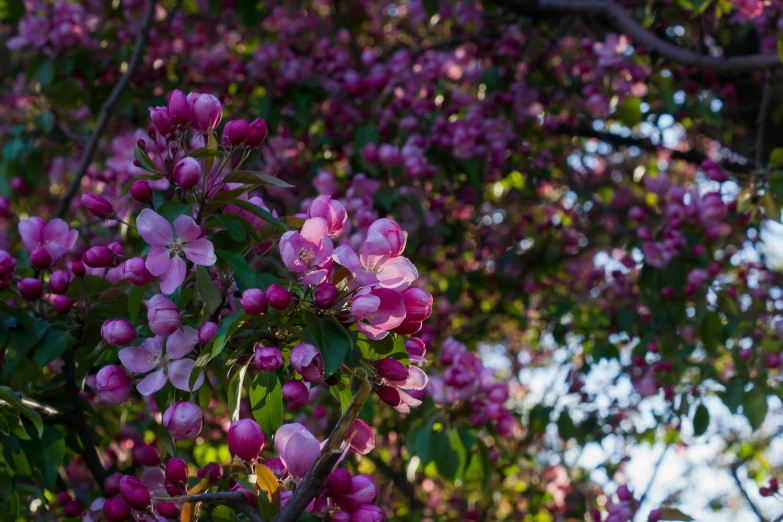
626,23
654,475
236,497
761,119
737,480
108,108
30,403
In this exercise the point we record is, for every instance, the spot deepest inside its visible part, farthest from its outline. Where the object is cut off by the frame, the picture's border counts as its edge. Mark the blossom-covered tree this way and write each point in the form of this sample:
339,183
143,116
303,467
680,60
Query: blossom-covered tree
364,261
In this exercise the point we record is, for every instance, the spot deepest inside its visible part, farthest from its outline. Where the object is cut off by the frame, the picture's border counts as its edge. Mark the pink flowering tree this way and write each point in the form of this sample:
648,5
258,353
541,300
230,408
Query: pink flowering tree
416,260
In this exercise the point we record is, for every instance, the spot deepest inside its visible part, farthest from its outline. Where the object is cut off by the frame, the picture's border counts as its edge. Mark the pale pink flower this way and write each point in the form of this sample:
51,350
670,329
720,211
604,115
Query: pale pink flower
159,233
149,358
377,310
308,251
55,236
298,449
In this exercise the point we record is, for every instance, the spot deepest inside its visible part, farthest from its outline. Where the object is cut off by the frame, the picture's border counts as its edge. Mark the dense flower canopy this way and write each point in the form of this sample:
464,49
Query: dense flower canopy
416,260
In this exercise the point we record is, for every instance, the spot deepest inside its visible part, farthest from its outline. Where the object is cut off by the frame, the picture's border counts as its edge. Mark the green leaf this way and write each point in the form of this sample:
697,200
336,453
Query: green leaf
255,178
776,156
779,47
8,395
449,453
244,276
222,199
266,401
733,396
145,160
210,295
342,391
330,337
45,73
223,514
11,11
171,210
232,224
389,346
565,426
46,455
229,325
19,313
206,152
754,406
431,6
259,212
235,392
701,419
135,296
5,429
51,346
711,331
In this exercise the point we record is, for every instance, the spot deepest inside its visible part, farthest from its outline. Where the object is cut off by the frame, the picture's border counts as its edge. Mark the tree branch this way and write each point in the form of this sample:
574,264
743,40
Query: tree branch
761,119
108,108
236,497
315,480
626,23
737,480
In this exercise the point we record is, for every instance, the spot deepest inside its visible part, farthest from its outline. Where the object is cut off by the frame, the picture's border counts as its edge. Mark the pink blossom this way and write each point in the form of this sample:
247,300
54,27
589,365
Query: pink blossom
417,380
149,358
298,449
55,237
159,233
330,210
308,251
377,310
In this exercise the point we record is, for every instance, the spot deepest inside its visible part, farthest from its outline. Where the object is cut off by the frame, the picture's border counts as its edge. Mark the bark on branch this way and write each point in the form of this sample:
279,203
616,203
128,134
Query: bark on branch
625,22
108,108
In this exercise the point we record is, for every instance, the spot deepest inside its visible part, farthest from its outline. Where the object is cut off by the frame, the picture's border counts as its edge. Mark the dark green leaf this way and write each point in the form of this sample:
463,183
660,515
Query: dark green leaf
210,295
45,73
244,276
754,406
330,337
171,210
8,395
711,331
250,177
701,419
145,160
223,514
206,152
266,401
259,212
449,453
135,296
235,392
51,346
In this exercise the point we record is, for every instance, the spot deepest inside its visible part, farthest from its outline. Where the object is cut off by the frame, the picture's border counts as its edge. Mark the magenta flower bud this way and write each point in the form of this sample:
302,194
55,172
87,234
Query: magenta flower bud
331,211
62,304
296,393
98,205
5,206
235,132
111,484
73,508
187,173
408,327
144,455
141,191
99,257
363,491
392,370
391,232
257,133
248,495
63,497
624,494
171,489
134,270
177,471
390,395
183,420
205,111
168,510
178,111
655,516
161,120
40,258
113,384
18,185
254,301
418,304
338,482
307,361
636,213
30,289
162,315
245,439
118,332
268,358
59,282
134,493
367,513
77,267
325,295
117,510
212,470
207,332
415,348
278,297
370,153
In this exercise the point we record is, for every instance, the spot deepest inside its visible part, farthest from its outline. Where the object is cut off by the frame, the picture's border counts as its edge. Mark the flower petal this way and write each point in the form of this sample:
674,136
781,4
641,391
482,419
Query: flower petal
174,276
397,273
139,359
181,342
158,260
187,229
154,228
152,383
301,452
31,232
201,252
179,375
314,230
